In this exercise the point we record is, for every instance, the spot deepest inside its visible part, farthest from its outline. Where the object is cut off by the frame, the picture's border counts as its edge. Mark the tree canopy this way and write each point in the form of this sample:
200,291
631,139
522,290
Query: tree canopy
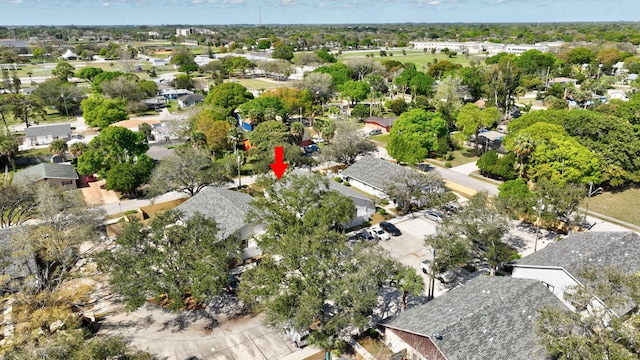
171,259
228,96
414,134
309,277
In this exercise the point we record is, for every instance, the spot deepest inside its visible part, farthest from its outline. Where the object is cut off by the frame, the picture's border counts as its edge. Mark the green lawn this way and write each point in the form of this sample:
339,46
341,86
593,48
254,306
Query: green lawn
257,84
620,205
417,57
381,139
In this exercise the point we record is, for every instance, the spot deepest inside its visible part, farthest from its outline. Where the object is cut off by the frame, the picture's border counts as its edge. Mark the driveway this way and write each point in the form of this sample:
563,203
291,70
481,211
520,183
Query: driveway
172,336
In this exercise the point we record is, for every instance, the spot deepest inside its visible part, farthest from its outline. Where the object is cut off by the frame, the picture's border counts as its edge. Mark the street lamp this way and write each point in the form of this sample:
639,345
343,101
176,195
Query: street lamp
539,209
589,194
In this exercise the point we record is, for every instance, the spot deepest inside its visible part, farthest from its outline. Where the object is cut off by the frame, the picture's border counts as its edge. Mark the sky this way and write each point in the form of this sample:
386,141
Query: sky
219,12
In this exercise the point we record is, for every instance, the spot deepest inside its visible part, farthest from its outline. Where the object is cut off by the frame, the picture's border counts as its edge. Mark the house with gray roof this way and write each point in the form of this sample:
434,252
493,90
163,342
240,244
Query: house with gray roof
190,100
371,174
364,206
559,265
45,134
229,209
61,175
488,317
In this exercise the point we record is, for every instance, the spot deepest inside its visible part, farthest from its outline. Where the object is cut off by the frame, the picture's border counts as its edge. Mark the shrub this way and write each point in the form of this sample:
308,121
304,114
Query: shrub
130,212
384,202
382,211
346,183
448,164
338,179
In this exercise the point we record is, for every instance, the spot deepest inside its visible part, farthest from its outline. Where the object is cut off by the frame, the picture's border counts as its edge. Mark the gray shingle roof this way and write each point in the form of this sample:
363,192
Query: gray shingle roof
357,197
487,318
191,98
227,207
373,171
597,249
46,171
59,130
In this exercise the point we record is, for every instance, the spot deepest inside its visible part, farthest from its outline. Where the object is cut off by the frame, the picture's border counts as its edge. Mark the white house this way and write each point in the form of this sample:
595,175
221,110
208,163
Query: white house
372,175
190,100
45,134
559,265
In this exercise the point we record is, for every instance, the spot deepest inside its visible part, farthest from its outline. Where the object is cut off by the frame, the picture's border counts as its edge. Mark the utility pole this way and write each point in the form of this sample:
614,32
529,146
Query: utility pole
539,209
589,194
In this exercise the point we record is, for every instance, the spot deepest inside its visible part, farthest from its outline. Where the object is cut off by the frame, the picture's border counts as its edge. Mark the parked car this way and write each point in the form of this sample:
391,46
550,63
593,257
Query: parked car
390,228
298,338
380,234
362,235
433,215
447,277
375,132
311,148
451,208
425,266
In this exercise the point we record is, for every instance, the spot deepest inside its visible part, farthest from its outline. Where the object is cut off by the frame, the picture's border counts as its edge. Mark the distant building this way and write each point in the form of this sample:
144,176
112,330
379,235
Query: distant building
13,43
190,100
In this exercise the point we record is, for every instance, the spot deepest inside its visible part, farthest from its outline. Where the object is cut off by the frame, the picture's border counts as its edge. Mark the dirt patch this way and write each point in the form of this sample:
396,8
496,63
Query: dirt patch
95,194
150,211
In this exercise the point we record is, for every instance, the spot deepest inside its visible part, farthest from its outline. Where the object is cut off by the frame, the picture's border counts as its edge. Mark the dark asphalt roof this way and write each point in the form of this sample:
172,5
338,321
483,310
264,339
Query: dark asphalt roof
489,317
59,130
373,171
46,171
227,207
596,249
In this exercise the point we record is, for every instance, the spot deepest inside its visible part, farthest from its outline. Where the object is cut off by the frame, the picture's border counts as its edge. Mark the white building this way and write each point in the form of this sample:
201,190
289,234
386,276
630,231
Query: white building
559,265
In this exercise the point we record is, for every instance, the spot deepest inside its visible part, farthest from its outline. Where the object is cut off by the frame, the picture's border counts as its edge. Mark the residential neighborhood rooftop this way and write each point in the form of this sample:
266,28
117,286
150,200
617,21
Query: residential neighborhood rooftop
489,317
46,171
57,130
227,207
373,171
597,249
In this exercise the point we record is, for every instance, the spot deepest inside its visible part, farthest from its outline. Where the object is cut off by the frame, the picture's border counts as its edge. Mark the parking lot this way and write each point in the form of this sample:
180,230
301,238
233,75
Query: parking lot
409,248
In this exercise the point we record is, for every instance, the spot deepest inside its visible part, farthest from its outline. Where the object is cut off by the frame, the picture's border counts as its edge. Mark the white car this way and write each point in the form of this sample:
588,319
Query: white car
425,266
380,234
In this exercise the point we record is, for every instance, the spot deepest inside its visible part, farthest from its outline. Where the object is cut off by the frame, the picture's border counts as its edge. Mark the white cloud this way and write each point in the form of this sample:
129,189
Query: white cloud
288,2
105,4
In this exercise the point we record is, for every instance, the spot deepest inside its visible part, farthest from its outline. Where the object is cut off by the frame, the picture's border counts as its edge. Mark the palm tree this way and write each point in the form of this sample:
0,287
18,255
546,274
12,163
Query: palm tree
297,131
77,149
59,147
198,139
523,146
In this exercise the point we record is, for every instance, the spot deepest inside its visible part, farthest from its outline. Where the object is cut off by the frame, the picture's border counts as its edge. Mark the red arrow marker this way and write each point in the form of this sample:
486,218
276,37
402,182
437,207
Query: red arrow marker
278,165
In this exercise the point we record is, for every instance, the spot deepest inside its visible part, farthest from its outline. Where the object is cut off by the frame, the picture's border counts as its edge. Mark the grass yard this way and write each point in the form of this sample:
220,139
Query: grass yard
620,205
417,57
257,84
381,139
